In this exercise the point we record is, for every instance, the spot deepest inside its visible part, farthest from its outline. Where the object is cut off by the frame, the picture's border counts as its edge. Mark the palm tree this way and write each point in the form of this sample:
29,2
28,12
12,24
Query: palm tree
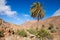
37,11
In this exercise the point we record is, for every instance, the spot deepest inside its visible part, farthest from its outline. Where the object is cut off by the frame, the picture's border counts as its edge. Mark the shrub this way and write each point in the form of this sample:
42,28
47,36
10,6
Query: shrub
42,33
53,31
21,33
50,27
32,31
1,21
1,33
43,26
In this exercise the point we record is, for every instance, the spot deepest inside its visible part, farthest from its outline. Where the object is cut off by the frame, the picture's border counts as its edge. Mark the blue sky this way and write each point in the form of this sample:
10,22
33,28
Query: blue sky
18,11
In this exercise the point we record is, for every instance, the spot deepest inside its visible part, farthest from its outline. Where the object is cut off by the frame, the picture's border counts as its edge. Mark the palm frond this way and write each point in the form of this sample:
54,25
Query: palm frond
36,10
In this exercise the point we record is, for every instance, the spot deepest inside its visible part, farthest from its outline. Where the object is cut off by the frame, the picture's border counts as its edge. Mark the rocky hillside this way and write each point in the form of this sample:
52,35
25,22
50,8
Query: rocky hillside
9,25
55,21
9,28
52,21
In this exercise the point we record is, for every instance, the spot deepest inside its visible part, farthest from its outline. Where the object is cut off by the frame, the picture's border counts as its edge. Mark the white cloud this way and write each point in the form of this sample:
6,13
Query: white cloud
17,18
57,13
26,15
6,9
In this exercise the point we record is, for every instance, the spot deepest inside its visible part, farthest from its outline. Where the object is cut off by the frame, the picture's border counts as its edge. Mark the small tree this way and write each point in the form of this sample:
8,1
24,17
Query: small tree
37,11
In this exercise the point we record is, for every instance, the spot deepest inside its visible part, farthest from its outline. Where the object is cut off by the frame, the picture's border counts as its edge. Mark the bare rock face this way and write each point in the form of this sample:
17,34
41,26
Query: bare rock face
8,28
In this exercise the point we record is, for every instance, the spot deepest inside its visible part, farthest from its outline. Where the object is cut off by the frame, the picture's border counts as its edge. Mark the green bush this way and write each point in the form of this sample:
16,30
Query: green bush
53,31
32,31
21,33
42,33
1,33
50,27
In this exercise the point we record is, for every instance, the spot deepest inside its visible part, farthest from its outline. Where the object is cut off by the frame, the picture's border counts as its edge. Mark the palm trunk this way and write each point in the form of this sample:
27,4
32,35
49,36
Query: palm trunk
37,24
